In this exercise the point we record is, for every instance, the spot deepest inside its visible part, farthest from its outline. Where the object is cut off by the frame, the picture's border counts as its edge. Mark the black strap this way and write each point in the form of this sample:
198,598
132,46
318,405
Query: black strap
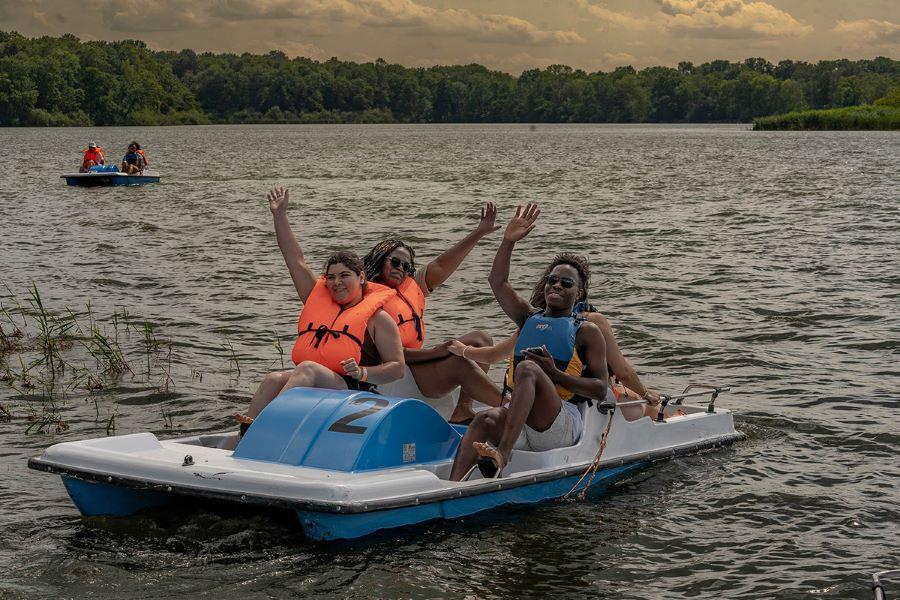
416,320
322,333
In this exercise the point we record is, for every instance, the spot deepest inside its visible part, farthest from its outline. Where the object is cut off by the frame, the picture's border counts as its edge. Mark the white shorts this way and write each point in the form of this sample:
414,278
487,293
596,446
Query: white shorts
406,387
565,431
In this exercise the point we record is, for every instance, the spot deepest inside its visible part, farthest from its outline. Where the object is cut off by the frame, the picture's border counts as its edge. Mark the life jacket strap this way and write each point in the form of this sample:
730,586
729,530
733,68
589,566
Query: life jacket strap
322,333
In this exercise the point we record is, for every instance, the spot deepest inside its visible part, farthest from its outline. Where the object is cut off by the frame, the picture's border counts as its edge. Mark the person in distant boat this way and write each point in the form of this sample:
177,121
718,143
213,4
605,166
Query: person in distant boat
133,161
142,153
93,157
345,340
559,361
435,372
623,379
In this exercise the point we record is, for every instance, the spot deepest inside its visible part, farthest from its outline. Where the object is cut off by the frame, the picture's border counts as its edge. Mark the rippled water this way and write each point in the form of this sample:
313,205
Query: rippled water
767,261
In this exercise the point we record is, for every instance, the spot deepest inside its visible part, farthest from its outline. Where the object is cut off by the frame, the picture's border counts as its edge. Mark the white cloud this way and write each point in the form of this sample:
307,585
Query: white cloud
730,19
455,22
870,33
608,17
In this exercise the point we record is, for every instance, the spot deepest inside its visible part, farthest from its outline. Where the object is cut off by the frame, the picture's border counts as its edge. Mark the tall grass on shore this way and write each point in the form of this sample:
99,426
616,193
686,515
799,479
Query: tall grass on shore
884,115
46,358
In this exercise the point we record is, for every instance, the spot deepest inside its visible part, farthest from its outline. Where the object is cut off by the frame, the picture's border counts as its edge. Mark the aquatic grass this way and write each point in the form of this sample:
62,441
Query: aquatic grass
280,349
232,358
866,117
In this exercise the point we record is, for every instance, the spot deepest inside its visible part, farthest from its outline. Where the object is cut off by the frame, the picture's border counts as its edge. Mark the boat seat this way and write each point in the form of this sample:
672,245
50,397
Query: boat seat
345,430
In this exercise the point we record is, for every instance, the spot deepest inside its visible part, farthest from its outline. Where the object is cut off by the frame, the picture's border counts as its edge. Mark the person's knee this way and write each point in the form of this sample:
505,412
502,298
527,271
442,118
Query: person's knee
526,370
486,419
480,339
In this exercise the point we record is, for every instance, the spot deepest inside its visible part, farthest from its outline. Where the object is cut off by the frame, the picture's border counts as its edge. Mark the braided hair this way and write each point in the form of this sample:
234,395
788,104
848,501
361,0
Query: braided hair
374,260
578,262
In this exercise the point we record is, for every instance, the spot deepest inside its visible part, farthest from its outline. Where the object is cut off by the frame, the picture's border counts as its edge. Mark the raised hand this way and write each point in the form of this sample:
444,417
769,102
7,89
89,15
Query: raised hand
488,216
522,223
278,200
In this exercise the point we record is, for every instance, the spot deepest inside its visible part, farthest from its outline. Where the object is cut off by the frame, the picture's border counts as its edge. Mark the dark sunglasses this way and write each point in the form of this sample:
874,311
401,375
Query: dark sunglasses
566,282
402,264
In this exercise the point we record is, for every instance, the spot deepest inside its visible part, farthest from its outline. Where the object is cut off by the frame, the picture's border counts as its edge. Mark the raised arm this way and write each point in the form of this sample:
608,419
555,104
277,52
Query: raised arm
302,276
444,265
515,307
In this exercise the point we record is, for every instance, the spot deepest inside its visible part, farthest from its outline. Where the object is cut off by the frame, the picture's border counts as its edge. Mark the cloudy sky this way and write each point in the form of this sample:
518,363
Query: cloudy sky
510,35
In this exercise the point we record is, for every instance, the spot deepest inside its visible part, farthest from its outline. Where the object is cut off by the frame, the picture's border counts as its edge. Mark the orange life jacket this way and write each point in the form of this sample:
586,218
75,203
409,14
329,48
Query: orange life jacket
96,156
407,309
144,156
328,333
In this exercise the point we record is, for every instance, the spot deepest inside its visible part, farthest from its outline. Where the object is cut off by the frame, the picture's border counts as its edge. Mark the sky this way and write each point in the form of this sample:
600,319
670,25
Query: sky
508,35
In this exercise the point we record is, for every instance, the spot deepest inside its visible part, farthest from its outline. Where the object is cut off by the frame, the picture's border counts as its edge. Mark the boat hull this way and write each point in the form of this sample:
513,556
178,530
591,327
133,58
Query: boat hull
106,179
323,526
392,469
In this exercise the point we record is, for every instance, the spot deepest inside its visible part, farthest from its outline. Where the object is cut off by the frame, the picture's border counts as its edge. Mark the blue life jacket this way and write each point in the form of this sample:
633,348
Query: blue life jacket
558,335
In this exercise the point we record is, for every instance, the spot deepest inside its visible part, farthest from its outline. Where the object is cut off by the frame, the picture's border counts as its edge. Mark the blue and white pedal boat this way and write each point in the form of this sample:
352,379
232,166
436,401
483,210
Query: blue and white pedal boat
109,178
352,463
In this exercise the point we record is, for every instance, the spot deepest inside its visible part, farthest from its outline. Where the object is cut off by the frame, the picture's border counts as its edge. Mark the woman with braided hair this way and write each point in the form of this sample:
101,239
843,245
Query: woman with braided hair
432,373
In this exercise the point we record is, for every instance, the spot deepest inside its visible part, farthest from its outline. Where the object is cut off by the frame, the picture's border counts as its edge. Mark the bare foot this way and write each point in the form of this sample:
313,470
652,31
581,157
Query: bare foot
242,418
490,461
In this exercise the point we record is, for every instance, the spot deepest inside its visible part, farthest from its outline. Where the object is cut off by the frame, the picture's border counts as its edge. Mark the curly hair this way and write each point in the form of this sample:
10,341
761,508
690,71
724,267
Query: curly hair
374,260
578,262
349,259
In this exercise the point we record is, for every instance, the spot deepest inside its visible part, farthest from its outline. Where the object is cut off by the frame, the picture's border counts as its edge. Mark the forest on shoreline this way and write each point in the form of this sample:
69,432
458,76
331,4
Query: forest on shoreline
63,81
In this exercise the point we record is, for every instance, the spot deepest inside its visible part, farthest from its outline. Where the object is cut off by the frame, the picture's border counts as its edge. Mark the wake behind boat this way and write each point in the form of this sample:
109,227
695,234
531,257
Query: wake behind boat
109,178
352,463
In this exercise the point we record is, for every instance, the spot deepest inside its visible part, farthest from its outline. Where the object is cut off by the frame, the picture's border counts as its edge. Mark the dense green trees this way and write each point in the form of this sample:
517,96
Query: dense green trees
62,81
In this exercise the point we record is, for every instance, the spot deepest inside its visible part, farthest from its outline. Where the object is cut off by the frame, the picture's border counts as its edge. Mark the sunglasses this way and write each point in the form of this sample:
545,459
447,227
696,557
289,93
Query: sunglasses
566,282
402,264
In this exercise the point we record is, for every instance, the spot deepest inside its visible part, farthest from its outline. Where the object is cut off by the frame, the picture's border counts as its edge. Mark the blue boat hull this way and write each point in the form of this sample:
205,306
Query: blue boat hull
108,179
94,498
334,526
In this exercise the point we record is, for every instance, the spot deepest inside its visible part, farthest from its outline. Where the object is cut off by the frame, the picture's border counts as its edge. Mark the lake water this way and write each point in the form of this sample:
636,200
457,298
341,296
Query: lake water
765,261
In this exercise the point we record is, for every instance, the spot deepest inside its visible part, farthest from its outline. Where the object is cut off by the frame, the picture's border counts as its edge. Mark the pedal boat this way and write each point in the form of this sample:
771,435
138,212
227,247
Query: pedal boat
352,463
109,178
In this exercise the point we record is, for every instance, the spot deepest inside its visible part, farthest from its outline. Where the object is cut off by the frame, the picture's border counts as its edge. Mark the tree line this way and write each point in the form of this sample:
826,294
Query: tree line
64,81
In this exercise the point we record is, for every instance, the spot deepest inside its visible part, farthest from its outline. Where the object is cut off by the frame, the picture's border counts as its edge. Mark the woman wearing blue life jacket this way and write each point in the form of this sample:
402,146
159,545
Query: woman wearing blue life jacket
559,361
624,380
133,161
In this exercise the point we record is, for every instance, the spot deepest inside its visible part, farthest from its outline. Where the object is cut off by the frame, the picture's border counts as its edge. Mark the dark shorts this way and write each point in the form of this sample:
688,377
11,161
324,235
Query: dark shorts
359,386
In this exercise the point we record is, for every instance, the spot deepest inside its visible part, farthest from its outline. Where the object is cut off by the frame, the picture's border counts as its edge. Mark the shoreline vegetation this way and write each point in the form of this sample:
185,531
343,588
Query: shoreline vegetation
884,114
63,81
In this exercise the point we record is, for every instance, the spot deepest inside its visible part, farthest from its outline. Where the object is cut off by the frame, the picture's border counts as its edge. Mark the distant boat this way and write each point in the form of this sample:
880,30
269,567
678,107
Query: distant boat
106,178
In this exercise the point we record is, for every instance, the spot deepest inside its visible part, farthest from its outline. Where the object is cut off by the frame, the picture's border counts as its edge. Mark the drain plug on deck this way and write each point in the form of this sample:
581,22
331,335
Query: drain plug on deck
188,460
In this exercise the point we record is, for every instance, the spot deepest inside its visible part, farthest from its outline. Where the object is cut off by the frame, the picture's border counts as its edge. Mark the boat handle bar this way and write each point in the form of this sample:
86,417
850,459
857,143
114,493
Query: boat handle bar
712,391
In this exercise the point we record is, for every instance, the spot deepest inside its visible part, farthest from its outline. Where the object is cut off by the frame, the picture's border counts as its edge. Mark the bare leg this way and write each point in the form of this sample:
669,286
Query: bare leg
267,391
312,374
486,426
436,378
463,410
534,402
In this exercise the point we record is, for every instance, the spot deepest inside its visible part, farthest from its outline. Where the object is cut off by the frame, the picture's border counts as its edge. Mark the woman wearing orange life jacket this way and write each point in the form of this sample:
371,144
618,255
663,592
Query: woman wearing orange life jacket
432,374
345,340
93,156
